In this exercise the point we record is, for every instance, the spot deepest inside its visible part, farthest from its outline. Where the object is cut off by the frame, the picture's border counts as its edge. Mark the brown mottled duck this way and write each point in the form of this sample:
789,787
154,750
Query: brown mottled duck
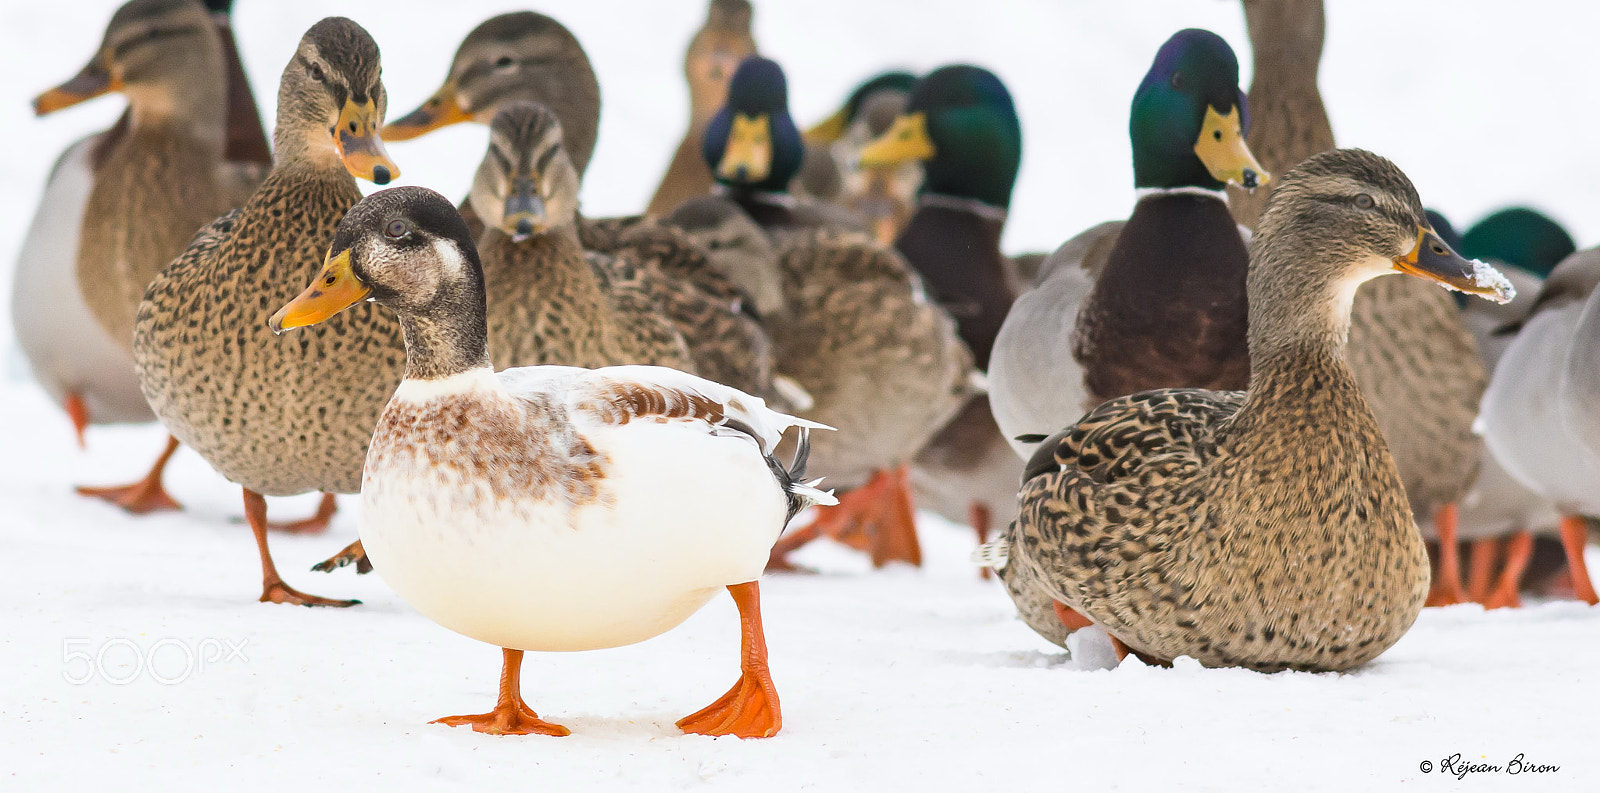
716,50
122,203
1266,528
280,416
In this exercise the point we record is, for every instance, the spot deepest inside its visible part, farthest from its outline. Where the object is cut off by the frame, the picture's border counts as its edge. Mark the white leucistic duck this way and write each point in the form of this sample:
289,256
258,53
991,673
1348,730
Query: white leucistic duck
552,508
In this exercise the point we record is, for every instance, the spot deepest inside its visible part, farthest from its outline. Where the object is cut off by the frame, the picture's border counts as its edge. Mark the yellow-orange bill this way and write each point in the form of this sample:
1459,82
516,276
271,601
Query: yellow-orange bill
441,110
906,141
335,289
359,144
1434,260
1222,149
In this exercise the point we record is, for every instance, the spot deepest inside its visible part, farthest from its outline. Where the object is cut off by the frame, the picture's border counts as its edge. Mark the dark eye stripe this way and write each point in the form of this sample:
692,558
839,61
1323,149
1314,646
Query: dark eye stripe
546,156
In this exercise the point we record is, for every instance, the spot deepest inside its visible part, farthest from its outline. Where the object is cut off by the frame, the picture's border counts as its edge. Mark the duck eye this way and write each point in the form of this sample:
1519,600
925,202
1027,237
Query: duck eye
1364,201
1177,81
504,62
397,229
316,72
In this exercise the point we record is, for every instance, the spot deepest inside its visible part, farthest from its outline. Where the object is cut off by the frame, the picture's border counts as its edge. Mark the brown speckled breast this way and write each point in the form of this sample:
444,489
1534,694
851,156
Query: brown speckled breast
1271,538
279,415
884,366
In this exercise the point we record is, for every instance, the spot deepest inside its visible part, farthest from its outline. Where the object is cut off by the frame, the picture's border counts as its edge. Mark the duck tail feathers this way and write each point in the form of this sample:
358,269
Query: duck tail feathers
993,554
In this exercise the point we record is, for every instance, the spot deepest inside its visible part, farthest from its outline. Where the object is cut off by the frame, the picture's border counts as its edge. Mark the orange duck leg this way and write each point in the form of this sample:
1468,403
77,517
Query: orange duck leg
876,518
1507,591
1480,571
78,412
316,524
749,709
1447,588
144,496
511,716
273,589
1574,536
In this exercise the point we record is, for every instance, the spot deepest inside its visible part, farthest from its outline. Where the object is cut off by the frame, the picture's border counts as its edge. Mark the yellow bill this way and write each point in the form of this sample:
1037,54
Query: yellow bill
441,110
1433,259
1222,149
828,131
335,289
748,155
359,144
906,141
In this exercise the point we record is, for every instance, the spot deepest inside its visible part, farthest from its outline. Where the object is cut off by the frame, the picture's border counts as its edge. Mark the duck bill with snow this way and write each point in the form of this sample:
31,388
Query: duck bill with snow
1433,259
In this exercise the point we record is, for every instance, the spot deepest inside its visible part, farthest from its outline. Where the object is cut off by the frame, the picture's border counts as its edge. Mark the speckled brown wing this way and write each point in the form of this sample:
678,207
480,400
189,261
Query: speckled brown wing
152,191
1420,370
726,342
882,363
645,330
279,415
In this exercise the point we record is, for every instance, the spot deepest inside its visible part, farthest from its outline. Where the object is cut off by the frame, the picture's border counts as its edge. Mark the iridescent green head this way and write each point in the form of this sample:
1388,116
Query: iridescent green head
1519,236
962,125
1189,118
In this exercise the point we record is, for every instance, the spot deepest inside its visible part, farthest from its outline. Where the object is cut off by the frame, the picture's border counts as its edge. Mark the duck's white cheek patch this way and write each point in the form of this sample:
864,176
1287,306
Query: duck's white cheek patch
451,263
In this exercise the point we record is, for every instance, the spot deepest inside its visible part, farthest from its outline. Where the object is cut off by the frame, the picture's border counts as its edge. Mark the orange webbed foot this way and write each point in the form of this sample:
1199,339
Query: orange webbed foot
748,710
354,553
144,496
316,524
279,592
511,716
518,720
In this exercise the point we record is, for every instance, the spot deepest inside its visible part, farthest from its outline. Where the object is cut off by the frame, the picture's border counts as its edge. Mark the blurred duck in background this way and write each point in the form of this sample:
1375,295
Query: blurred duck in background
850,325
884,195
120,204
714,54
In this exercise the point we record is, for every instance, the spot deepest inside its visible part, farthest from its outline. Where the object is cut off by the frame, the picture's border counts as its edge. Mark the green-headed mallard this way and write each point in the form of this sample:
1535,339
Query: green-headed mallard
1266,528
280,416
530,57
962,126
552,508
1157,301
715,52
879,361
884,196
121,203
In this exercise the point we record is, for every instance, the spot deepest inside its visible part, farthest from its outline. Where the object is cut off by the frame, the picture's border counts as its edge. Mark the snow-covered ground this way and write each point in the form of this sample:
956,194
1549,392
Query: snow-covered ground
891,680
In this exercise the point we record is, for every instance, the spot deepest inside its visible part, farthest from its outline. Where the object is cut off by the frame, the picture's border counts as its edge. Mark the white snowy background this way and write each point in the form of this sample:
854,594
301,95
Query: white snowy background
892,680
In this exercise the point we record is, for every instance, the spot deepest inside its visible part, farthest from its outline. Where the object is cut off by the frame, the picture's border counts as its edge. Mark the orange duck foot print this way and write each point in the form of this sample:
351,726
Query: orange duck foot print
514,720
144,496
316,524
353,553
280,592
748,710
